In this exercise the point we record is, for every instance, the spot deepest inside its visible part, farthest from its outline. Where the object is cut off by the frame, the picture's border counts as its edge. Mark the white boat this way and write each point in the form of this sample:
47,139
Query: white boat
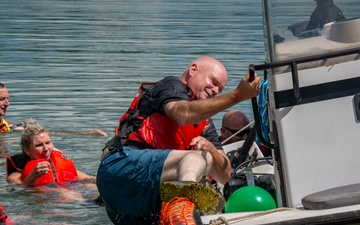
313,110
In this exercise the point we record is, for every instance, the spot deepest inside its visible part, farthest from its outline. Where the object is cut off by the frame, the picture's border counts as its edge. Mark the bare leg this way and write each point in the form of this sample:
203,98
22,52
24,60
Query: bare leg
186,166
181,172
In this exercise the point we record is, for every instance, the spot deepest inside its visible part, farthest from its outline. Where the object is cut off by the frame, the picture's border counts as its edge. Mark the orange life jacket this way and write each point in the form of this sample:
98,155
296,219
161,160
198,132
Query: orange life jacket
160,132
156,131
62,169
4,126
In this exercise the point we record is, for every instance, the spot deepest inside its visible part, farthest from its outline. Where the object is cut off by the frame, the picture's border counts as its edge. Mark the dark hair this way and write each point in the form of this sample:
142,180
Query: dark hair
2,85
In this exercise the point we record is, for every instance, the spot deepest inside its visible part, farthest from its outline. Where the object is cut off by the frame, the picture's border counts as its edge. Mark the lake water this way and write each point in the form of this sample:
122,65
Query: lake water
76,65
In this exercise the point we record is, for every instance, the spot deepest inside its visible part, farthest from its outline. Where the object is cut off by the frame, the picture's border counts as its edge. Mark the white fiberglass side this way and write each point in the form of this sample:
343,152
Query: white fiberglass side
317,140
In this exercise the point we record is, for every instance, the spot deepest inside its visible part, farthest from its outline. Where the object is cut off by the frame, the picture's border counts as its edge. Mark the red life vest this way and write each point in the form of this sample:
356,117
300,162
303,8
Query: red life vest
157,131
160,132
62,169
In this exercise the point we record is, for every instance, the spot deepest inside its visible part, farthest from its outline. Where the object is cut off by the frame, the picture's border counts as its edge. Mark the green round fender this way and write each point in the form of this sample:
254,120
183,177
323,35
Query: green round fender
249,199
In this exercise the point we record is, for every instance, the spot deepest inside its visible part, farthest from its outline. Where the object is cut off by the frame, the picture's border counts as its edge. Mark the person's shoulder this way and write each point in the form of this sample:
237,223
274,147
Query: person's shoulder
168,89
56,149
168,85
172,81
16,162
171,78
19,157
60,153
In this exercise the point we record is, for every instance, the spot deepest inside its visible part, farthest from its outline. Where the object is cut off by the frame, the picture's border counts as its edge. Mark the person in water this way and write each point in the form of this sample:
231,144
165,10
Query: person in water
4,103
40,163
6,126
140,167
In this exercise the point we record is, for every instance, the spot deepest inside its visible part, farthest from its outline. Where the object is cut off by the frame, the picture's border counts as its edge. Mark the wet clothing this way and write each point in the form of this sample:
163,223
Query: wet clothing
62,169
4,126
16,163
160,132
141,122
128,181
128,178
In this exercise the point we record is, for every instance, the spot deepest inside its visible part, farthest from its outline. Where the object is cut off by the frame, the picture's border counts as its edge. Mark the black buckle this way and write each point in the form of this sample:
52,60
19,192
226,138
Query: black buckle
114,144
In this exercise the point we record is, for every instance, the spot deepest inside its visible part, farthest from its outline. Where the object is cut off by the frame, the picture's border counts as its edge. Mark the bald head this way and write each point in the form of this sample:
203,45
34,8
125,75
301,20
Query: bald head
233,121
210,63
206,77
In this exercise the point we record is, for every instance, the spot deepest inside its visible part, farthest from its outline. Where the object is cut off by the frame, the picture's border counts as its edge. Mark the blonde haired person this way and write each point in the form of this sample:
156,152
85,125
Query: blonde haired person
40,163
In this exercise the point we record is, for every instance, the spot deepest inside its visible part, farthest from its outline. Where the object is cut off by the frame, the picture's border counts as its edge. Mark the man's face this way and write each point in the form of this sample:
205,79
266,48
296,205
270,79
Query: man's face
207,83
227,132
4,101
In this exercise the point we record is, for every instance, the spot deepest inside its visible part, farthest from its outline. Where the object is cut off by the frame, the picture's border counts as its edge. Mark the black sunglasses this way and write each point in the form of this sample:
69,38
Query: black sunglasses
240,134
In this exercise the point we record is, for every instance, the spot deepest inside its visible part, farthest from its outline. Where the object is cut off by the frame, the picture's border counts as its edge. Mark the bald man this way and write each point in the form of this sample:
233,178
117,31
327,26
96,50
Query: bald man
166,143
232,122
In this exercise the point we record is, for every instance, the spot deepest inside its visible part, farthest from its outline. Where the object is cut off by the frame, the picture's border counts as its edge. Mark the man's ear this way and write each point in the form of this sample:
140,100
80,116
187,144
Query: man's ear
222,131
193,69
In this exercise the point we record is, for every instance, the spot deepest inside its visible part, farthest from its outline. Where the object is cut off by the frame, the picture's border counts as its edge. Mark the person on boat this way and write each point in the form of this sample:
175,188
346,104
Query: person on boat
232,122
6,126
140,166
235,127
40,163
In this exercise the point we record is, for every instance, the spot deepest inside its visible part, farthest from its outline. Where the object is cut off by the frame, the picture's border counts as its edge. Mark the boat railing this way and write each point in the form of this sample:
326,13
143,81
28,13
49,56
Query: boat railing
293,65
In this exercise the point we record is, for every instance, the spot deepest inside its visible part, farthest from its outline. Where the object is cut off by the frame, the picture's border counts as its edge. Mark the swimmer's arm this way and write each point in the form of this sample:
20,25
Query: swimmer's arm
14,178
20,127
16,127
85,178
93,132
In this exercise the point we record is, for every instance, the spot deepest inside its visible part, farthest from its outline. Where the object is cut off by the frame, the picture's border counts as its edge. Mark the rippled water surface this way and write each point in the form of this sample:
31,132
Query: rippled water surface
76,65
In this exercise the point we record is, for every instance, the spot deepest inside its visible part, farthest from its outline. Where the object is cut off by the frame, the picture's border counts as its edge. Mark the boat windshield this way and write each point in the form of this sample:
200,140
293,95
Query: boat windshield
295,29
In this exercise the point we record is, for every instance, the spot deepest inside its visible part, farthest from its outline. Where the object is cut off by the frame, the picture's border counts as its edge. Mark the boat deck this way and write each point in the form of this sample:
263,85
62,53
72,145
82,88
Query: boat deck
341,215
